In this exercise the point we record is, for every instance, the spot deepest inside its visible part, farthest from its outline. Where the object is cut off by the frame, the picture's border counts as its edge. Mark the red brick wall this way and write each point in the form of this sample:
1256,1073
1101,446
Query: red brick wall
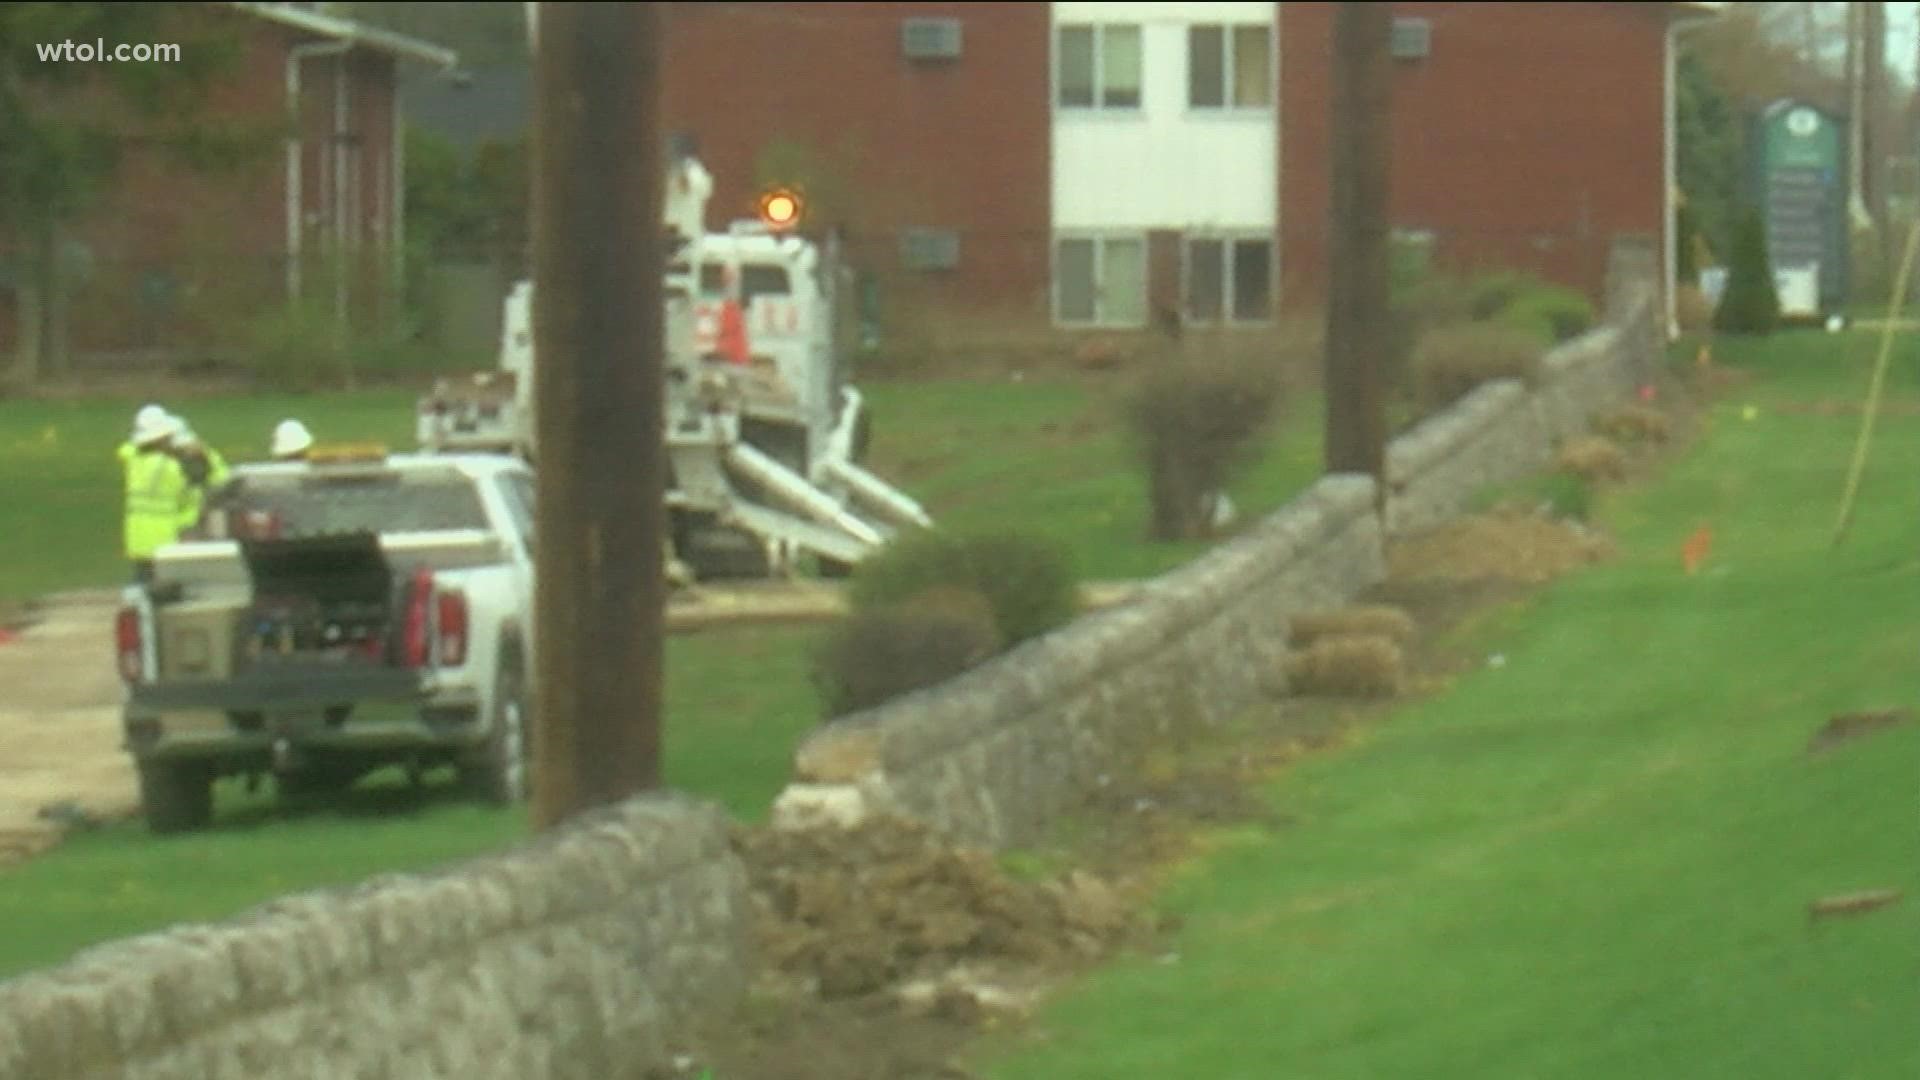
219,238
959,145
1529,137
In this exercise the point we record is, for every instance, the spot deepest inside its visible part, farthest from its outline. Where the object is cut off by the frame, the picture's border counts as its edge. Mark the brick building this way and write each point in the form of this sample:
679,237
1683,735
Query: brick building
1103,164
174,256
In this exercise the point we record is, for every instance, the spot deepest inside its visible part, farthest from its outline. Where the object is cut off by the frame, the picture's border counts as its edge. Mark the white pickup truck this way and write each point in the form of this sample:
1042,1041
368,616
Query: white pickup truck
358,611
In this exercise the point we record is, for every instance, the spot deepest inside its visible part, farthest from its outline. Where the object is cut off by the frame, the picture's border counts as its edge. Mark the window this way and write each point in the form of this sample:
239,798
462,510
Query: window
1412,39
1099,67
1229,67
930,39
1101,280
518,493
1411,254
1229,279
763,279
756,279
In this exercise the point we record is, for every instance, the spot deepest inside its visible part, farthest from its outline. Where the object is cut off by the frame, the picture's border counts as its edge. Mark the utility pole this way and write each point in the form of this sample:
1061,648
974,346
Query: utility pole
1357,325
1856,123
1873,142
598,269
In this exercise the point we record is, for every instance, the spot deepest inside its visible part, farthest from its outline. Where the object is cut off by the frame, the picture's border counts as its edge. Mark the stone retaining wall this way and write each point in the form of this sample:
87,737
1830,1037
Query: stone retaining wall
570,956
993,756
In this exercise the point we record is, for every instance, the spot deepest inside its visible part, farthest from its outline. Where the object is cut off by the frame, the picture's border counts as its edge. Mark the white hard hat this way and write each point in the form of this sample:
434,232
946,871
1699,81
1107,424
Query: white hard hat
290,438
183,434
154,424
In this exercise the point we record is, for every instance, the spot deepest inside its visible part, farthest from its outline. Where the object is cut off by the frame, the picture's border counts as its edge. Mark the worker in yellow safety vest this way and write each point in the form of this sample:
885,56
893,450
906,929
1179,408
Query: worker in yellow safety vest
156,486
206,471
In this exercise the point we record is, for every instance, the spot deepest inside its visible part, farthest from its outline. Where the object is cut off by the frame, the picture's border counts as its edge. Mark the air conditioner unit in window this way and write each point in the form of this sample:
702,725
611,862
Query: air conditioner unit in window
929,249
1412,39
930,39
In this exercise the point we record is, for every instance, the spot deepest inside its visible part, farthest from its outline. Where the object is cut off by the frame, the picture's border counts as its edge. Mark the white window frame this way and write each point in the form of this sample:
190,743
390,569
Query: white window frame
1226,106
1227,239
1100,240
1099,108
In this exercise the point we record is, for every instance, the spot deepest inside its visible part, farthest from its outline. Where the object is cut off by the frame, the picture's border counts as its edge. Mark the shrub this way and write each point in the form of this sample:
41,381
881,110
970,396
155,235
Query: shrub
1594,458
1490,294
292,348
1750,306
1555,313
1196,425
1349,666
1029,584
1387,622
1634,423
1450,361
1435,301
1567,495
875,656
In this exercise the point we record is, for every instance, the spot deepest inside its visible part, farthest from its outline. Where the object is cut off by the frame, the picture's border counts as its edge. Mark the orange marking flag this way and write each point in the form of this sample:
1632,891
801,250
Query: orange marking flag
1694,552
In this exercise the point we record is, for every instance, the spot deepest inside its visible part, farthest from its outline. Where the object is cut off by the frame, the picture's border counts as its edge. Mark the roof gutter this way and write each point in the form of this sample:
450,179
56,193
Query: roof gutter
353,34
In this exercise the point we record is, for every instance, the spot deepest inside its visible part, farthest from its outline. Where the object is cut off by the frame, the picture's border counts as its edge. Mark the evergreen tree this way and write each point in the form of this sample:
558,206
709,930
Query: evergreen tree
1751,305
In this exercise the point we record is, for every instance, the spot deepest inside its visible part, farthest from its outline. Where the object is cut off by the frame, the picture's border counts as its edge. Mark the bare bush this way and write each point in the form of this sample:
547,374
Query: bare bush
1634,423
1350,666
1593,458
1198,423
1375,621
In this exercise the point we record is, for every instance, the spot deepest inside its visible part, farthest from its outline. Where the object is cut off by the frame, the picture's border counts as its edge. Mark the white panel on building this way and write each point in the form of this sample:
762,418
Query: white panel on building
1165,117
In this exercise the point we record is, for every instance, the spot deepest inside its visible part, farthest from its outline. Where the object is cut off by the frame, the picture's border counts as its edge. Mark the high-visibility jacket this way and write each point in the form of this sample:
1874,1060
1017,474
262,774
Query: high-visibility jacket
213,478
156,500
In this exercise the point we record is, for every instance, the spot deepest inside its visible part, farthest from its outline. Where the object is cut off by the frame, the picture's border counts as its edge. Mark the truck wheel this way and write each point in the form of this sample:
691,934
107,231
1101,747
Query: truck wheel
177,796
498,771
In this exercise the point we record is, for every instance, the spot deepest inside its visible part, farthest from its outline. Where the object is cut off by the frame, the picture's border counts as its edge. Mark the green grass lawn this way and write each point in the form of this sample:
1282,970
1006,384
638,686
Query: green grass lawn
1596,860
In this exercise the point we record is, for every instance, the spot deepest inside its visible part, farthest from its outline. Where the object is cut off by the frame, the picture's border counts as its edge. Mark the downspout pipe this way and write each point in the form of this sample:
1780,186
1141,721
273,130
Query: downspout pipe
295,145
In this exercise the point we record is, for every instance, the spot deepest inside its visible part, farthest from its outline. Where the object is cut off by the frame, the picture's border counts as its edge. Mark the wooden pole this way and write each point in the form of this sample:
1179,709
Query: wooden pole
1357,324
598,269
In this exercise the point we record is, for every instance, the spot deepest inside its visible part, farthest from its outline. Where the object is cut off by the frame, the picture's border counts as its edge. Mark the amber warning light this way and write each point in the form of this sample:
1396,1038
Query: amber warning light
780,209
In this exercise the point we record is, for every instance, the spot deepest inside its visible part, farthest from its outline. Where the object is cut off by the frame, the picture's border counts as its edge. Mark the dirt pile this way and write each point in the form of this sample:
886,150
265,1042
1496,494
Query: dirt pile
853,912
1508,545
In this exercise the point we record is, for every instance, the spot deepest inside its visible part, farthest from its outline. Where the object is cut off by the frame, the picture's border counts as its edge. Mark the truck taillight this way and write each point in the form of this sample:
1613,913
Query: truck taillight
451,626
126,639
414,644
